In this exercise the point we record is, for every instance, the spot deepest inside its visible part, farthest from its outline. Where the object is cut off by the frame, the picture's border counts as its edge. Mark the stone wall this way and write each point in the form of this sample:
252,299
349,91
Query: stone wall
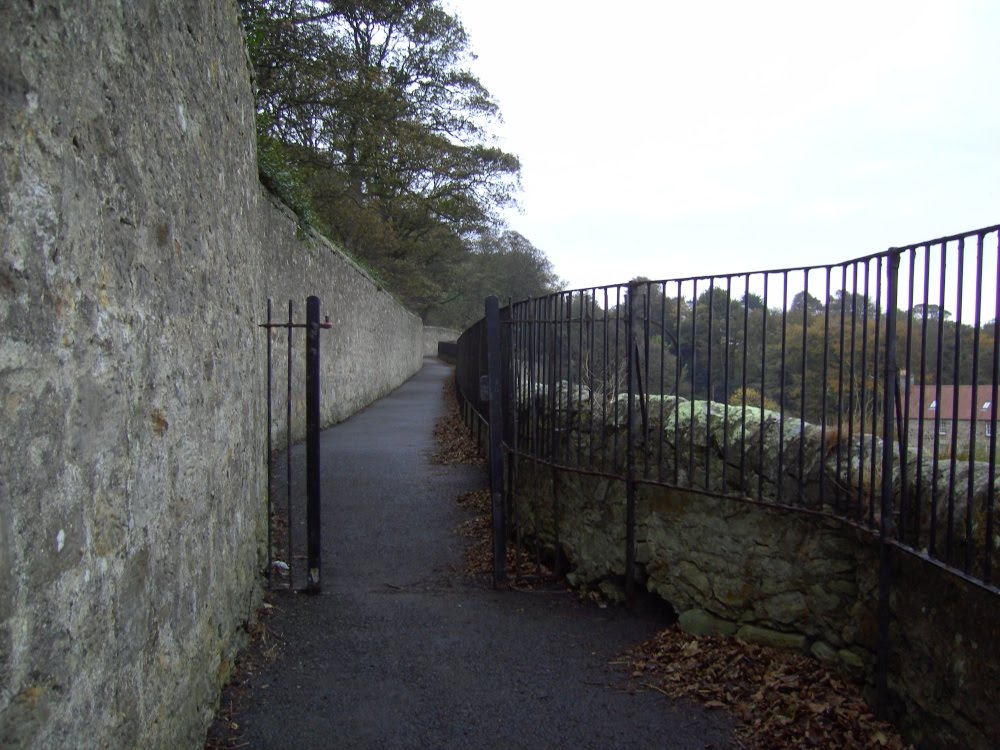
374,343
137,256
435,334
788,580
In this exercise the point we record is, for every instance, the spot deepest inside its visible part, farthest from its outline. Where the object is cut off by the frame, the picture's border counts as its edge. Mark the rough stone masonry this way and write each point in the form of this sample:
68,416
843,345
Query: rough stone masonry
134,272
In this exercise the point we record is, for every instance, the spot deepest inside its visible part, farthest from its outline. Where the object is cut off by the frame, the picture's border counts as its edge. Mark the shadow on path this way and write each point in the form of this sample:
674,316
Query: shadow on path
402,650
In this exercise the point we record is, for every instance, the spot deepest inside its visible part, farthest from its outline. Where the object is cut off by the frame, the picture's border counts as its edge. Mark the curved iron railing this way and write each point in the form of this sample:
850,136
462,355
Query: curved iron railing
861,390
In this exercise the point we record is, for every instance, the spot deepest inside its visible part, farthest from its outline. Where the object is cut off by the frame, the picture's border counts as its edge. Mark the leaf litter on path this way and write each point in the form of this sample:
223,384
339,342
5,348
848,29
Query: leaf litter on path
780,700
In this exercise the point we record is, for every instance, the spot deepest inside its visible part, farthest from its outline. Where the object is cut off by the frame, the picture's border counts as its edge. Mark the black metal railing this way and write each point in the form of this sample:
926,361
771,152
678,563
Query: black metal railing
861,390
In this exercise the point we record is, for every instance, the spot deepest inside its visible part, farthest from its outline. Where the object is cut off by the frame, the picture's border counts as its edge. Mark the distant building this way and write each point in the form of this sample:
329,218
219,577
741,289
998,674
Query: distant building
940,417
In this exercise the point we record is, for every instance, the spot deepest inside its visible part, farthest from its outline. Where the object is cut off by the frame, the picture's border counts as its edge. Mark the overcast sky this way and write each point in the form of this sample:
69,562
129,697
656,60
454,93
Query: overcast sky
669,139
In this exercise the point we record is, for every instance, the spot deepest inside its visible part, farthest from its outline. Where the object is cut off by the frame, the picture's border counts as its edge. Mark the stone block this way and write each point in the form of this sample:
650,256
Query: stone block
851,660
612,592
773,638
820,601
700,622
787,608
823,652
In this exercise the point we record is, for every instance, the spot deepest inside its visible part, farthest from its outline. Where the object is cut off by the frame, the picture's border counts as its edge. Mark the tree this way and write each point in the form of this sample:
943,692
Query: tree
931,312
507,265
371,106
812,305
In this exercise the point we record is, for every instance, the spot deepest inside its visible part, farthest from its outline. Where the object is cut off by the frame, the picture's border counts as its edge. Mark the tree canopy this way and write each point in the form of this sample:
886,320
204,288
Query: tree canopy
369,109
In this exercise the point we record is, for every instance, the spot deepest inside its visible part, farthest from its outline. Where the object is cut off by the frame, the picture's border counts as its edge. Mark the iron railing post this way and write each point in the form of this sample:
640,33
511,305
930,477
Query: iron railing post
493,343
288,445
888,451
630,468
270,442
312,446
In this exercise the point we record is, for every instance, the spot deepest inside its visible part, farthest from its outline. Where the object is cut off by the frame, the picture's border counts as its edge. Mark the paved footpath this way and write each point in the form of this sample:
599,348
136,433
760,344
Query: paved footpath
402,650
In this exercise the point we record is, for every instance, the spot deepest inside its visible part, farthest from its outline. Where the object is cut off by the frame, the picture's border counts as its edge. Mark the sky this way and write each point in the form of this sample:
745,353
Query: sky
670,139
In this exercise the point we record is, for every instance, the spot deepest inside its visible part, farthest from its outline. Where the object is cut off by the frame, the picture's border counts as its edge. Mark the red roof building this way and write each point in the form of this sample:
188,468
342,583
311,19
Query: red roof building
973,415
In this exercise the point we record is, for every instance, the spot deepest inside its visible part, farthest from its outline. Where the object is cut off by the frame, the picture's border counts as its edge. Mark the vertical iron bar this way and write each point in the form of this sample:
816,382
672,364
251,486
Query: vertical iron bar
875,356
288,446
630,476
313,554
556,318
904,500
839,498
885,519
802,386
709,385
645,390
743,384
534,380
590,371
863,409
663,389
976,404
570,379
604,388
270,444
579,385
781,387
956,387
558,392
725,382
919,468
617,364
825,387
508,362
694,386
904,438
850,397
493,355
534,365
548,352
515,369
763,379
939,360
677,388
994,387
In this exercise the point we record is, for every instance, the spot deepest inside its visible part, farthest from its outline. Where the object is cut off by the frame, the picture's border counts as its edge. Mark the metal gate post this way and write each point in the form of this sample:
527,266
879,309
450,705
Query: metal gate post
630,471
312,446
270,445
496,441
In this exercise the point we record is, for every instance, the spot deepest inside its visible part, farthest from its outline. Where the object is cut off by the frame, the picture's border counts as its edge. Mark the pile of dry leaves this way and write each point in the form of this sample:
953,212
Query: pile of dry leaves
523,572
453,443
781,700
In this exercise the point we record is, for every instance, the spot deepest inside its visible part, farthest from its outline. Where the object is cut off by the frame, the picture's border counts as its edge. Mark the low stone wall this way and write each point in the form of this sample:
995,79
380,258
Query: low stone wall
784,579
433,335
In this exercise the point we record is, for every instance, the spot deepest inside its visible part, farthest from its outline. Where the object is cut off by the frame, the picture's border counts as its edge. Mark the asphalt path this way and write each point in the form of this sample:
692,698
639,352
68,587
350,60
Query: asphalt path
403,650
